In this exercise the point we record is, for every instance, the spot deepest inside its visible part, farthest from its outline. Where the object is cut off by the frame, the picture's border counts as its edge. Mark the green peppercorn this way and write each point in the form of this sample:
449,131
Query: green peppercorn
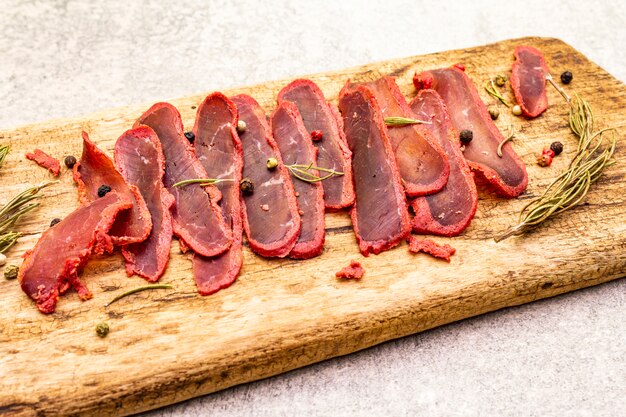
466,136
494,112
517,110
271,163
567,77
190,136
500,80
55,221
241,126
70,161
556,147
247,186
103,190
11,271
102,329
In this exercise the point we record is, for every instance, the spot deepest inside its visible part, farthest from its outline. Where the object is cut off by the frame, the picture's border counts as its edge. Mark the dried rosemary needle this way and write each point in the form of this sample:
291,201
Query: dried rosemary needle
490,87
302,172
4,151
202,181
403,121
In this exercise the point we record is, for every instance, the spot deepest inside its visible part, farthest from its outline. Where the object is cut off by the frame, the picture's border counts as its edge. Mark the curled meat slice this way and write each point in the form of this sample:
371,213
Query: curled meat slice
270,212
528,81
507,175
451,210
322,118
138,157
96,169
422,163
218,148
296,147
379,215
197,218
63,250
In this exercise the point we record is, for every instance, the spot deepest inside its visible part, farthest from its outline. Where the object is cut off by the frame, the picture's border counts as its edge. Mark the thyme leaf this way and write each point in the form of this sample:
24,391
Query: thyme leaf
403,121
202,181
139,289
302,172
490,87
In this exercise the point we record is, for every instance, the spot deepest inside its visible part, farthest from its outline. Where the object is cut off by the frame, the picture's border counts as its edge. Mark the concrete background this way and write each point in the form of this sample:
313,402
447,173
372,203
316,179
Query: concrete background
557,357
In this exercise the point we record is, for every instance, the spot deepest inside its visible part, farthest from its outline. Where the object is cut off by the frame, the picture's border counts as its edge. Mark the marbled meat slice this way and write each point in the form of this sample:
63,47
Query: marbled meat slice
379,216
422,163
270,213
95,169
218,148
138,157
296,147
507,175
528,81
45,161
62,251
333,152
197,218
451,210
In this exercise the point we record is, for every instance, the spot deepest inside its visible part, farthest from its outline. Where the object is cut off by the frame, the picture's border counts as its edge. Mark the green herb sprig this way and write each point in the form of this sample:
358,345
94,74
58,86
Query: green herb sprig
490,87
139,289
4,151
202,181
302,172
404,121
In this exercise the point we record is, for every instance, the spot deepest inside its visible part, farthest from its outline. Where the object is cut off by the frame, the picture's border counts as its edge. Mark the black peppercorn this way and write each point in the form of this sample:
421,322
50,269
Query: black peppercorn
55,221
70,161
567,77
556,147
466,136
190,136
103,190
247,186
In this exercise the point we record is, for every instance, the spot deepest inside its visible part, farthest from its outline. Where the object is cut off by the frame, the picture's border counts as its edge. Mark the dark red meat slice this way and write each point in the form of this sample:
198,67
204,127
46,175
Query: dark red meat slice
138,157
270,213
507,175
379,215
451,210
218,149
45,161
296,147
197,218
354,271
444,251
528,81
63,250
422,163
95,169
323,118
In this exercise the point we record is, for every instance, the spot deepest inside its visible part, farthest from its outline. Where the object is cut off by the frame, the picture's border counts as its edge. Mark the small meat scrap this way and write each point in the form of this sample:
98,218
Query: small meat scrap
296,147
53,265
379,216
95,174
430,247
45,161
323,122
353,271
528,81
271,233
139,159
507,175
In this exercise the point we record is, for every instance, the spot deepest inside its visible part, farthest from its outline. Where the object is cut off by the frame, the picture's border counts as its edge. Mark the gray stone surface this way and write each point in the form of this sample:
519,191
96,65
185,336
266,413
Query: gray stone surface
563,356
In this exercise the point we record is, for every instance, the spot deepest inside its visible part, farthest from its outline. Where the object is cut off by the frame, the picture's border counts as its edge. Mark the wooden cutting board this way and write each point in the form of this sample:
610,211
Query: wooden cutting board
170,345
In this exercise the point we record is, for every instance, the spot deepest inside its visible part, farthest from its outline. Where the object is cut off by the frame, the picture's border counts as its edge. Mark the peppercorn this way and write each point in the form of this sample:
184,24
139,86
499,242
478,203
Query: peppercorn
102,329
316,135
556,147
11,271
545,159
500,80
271,163
241,126
70,161
247,186
103,190
567,77
517,110
190,136
55,221
494,112
466,136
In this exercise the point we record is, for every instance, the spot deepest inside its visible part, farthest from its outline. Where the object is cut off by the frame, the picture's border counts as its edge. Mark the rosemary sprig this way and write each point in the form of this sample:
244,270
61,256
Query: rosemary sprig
508,138
571,187
4,151
202,181
302,172
490,87
139,289
7,240
403,121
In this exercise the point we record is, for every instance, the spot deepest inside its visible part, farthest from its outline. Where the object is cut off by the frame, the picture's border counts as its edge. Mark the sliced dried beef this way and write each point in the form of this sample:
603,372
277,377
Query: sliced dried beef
45,161
432,248
528,81
353,271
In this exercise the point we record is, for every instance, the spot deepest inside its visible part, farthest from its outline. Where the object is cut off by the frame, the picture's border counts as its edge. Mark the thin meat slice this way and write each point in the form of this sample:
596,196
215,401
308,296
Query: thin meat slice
270,213
219,150
96,169
507,175
379,216
53,265
197,218
430,247
296,147
323,119
451,210
422,163
528,81
45,161
138,157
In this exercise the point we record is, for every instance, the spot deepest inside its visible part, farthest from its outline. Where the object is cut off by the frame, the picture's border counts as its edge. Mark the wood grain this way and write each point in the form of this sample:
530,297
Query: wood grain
171,345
